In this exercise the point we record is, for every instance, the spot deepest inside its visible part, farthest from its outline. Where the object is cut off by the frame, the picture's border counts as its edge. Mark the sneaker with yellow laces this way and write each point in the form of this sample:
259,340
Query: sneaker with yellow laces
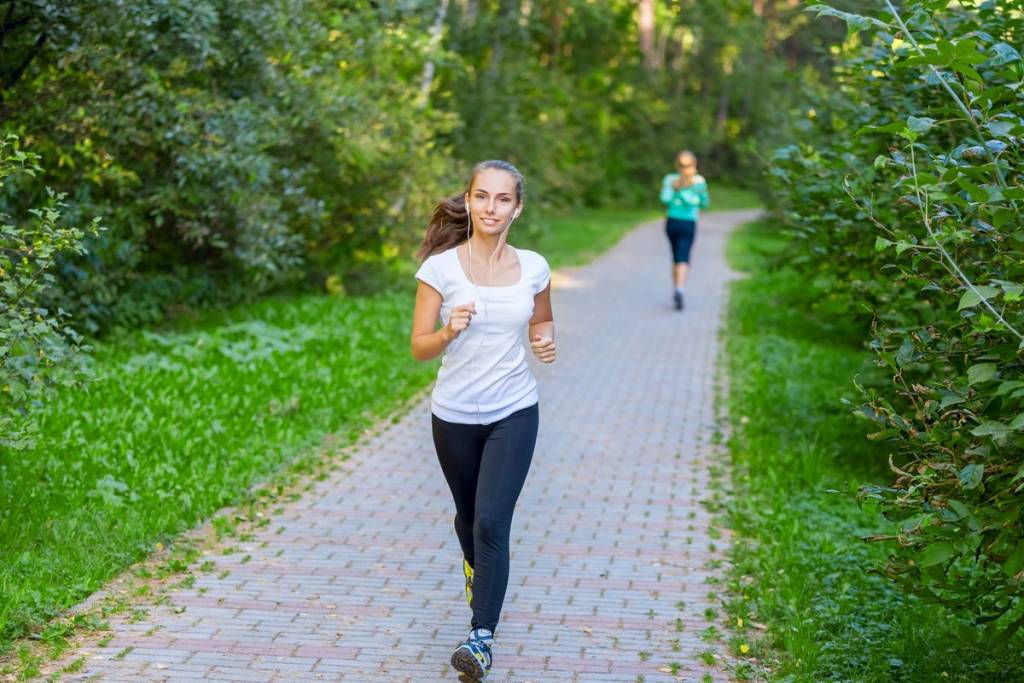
473,657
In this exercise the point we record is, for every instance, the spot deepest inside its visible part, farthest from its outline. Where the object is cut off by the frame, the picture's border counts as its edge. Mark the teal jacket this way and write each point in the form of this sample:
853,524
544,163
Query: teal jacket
687,202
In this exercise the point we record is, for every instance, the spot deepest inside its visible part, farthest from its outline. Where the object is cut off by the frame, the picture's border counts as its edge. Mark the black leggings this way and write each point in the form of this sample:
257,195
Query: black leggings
680,235
485,466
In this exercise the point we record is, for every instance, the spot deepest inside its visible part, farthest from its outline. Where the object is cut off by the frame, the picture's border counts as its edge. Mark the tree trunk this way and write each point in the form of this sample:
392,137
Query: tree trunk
723,111
426,81
508,25
645,24
428,69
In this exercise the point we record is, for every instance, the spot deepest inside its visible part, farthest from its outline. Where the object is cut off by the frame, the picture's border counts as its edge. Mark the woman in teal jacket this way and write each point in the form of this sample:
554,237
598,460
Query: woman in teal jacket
685,193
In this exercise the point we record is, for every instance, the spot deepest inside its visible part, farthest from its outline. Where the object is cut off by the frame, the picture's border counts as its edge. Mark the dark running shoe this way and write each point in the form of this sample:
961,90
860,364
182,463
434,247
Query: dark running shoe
473,658
677,299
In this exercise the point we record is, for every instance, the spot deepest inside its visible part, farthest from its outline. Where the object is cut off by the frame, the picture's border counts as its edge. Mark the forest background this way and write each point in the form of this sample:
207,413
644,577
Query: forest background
165,161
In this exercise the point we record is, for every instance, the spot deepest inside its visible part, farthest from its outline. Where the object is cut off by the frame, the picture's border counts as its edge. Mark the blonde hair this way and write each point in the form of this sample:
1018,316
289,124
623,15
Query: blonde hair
686,154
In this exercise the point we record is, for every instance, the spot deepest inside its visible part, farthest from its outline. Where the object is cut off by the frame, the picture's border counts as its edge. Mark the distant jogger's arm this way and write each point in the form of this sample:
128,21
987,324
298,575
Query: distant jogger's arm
667,191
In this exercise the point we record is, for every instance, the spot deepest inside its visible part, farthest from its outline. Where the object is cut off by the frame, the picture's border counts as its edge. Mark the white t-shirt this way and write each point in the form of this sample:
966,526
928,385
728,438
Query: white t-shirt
484,376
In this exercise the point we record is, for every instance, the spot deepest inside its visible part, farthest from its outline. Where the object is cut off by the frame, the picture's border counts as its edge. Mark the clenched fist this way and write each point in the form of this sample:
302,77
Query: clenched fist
459,320
543,348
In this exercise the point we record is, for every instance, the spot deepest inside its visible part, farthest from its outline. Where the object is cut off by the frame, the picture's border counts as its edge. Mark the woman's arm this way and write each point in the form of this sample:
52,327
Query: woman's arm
542,327
427,341
668,190
705,197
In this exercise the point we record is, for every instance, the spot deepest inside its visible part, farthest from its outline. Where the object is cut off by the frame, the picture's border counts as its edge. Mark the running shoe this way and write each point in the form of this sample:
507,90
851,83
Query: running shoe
677,299
473,658
468,572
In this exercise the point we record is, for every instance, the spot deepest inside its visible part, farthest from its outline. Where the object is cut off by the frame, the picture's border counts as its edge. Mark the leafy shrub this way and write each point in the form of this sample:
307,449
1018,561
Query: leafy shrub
906,196
37,347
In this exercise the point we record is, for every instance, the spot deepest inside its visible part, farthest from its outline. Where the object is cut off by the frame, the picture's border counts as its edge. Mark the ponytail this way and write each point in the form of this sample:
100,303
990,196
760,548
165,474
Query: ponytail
447,227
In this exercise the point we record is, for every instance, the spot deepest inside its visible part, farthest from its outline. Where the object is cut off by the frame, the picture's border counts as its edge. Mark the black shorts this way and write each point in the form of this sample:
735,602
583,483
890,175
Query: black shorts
680,235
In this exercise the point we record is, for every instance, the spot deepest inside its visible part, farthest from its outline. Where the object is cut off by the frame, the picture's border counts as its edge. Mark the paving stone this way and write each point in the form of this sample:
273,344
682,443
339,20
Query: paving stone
609,536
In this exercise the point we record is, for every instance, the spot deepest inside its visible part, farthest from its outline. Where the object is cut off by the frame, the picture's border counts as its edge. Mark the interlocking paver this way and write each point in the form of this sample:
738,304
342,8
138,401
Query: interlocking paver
360,580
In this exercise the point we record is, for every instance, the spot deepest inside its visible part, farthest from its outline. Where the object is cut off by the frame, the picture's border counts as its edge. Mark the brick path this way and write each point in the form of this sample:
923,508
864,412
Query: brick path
360,580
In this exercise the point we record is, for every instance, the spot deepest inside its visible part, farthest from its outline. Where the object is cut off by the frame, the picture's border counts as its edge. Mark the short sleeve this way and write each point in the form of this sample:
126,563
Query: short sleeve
430,274
542,276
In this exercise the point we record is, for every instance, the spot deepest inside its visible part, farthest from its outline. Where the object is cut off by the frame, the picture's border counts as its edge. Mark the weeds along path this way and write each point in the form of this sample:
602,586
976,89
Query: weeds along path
613,558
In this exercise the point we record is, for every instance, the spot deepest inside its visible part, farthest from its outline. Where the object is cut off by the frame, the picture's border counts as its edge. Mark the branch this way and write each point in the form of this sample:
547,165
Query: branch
956,98
16,76
942,250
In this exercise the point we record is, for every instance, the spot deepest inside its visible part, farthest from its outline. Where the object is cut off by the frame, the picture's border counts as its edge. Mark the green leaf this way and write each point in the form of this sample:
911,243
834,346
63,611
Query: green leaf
981,372
936,553
1007,387
1004,54
920,124
1014,562
1012,291
977,194
881,243
1001,217
959,508
854,22
1017,423
951,399
973,297
964,67
1001,128
971,476
996,430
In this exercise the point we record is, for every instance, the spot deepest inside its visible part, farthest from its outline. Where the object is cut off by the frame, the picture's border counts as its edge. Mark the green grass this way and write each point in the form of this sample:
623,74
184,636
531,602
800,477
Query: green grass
799,568
728,198
180,422
175,425
575,237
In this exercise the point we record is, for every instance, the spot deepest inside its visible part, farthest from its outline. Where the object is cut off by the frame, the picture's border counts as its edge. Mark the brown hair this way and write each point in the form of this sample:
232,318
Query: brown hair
450,219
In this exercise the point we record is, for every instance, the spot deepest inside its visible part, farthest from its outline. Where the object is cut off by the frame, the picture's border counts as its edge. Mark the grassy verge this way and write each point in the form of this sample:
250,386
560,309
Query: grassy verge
179,423
727,198
575,237
800,576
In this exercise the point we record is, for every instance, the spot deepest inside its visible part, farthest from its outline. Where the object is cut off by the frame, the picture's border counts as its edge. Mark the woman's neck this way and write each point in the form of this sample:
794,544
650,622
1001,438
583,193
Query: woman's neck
487,246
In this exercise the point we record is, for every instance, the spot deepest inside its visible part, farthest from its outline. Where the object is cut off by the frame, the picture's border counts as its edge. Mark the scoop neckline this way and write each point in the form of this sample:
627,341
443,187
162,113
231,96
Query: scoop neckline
462,271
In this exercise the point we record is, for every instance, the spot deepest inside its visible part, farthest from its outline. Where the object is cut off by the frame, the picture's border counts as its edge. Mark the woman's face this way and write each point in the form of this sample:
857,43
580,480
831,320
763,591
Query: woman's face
687,165
492,200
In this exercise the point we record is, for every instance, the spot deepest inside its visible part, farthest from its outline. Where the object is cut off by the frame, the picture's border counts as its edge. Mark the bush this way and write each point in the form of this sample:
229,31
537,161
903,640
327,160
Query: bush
906,197
37,347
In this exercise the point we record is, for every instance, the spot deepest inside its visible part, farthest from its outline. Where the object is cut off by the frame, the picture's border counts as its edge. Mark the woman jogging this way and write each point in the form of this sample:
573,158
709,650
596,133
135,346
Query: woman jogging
685,193
484,404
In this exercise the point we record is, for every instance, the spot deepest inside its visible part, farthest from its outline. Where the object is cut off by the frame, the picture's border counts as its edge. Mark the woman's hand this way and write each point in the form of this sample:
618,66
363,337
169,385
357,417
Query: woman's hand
543,348
459,320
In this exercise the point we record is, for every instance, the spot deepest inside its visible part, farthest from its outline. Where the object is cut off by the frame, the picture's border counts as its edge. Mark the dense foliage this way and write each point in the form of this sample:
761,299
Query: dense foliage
237,148
905,194
37,348
222,142
800,595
